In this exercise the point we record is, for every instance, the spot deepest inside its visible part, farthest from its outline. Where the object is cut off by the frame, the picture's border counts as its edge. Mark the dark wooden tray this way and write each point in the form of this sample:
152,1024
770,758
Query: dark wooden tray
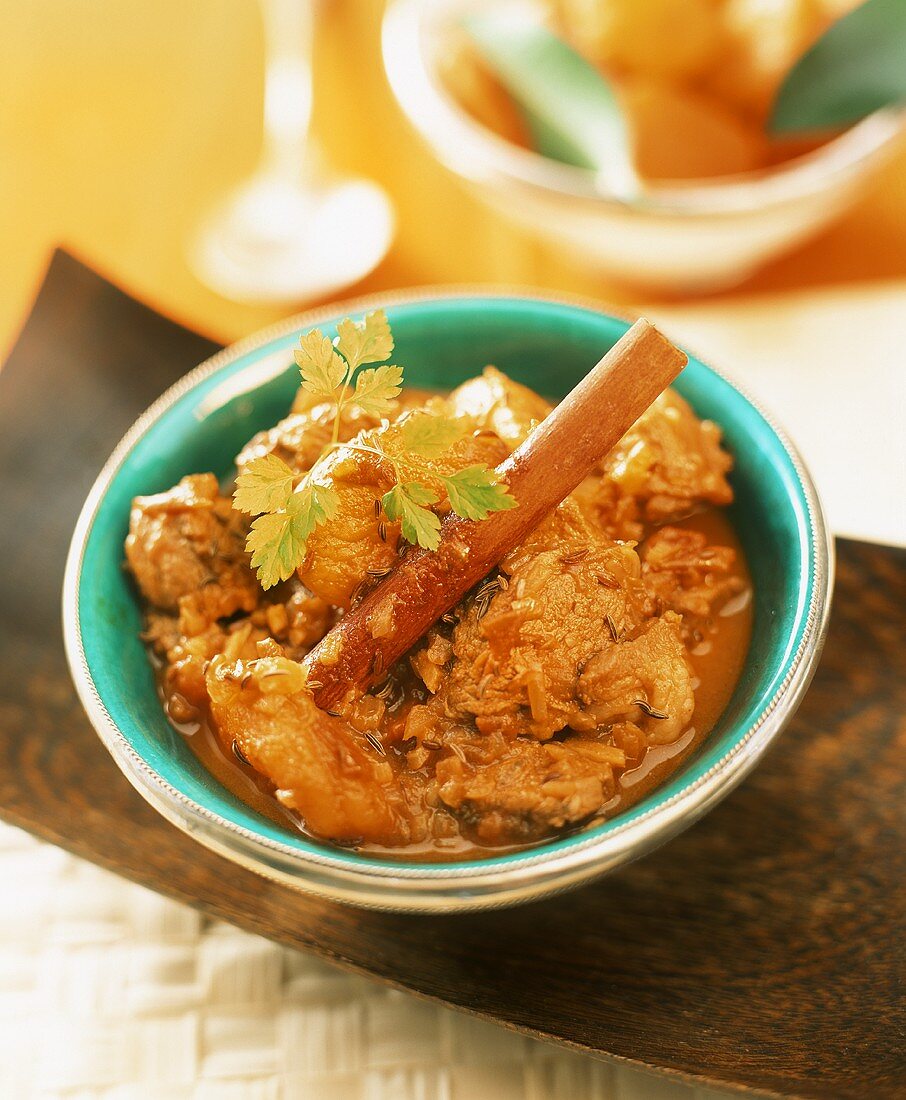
764,948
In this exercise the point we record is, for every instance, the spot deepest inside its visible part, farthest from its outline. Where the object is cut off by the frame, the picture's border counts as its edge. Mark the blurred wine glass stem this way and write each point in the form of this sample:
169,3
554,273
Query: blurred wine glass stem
288,34
294,230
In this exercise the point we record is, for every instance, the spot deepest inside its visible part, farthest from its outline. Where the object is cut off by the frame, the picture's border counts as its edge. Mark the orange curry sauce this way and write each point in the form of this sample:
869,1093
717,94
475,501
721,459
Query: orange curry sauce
717,663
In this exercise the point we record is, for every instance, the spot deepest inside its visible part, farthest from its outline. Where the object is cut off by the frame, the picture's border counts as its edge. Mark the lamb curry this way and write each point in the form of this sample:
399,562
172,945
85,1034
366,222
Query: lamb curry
570,681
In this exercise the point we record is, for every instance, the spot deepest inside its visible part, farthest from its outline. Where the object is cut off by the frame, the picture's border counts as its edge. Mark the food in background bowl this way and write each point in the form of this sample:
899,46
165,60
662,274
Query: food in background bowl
695,80
677,235
578,674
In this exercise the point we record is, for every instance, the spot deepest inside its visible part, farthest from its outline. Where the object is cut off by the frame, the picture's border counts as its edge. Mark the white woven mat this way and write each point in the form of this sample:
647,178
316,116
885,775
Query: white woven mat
109,992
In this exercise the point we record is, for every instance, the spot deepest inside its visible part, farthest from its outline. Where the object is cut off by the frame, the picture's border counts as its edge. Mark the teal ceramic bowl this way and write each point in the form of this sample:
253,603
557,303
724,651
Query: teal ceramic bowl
442,339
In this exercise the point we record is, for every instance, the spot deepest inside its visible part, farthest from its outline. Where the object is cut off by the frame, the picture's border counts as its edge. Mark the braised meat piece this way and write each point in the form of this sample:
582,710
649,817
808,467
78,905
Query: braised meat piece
187,642
497,402
525,790
360,540
523,641
667,465
302,436
319,765
188,542
645,680
684,574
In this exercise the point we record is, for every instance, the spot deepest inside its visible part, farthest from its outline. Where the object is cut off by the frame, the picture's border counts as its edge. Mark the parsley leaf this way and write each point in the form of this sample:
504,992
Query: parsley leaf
277,540
406,502
477,491
368,341
376,387
429,436
323,371
264,485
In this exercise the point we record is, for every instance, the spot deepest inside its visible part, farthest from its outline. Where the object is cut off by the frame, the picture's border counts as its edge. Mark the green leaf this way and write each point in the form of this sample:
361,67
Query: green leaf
477,491
277,541
405,502
264,485
323,371
368,341
569,106
276,546
429,436
313,504
376,388
857,66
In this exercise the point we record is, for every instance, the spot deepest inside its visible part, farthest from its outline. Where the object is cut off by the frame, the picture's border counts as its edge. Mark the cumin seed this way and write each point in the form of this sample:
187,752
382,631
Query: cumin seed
375,744
648,709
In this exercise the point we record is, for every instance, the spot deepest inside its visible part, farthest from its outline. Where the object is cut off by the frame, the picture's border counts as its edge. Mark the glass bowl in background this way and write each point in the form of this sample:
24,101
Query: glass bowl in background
683,236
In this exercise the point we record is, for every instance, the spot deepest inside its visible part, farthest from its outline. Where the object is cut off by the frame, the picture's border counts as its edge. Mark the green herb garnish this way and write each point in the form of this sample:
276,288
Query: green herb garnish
569,107
290,506
856,67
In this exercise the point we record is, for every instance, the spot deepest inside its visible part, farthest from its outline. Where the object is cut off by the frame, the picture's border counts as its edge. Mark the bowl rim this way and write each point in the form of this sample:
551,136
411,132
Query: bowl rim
432,110
455,886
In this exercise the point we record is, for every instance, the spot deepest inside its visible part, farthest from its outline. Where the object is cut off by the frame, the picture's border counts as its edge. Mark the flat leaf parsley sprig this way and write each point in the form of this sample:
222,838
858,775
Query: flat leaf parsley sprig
289,506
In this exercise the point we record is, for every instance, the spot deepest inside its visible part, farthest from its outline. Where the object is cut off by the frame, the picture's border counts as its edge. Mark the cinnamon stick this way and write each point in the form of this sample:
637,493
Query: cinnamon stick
555,458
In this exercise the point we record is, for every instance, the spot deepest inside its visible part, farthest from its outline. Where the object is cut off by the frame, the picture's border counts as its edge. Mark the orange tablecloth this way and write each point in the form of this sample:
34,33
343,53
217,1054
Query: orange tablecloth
122,120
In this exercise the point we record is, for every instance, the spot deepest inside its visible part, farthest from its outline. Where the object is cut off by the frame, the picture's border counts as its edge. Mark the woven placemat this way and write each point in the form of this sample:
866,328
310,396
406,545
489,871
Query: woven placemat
111,992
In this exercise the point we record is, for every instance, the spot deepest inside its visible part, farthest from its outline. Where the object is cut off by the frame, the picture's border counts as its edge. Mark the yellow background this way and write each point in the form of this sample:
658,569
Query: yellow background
121,121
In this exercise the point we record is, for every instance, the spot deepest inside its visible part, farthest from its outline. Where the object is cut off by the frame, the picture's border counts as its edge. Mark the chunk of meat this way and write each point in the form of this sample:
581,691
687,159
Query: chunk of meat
667,465
497,402
301,438
188,542
645,680
291,625
320,766
507,792
523,641
684,574
360,540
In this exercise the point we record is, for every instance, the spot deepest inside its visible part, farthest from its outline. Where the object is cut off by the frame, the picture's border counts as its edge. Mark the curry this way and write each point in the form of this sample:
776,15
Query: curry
576,676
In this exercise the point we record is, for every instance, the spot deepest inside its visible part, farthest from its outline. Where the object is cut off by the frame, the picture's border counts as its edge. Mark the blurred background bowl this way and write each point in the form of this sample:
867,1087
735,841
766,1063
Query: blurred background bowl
676,237
442,338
